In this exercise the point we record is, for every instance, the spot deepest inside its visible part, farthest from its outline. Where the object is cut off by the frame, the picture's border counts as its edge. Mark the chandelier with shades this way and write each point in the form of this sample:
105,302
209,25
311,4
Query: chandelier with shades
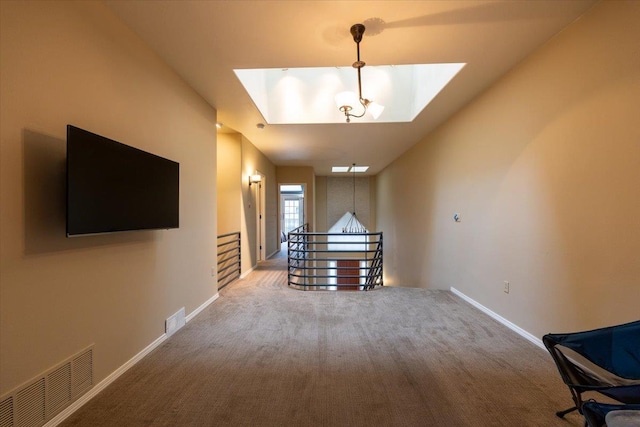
347,101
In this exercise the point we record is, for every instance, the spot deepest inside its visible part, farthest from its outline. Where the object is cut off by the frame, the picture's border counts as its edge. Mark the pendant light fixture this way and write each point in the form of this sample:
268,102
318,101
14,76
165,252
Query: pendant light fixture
353,225
346,101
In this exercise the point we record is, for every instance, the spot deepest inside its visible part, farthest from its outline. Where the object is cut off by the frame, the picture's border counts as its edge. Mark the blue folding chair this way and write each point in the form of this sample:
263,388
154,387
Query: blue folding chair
605,360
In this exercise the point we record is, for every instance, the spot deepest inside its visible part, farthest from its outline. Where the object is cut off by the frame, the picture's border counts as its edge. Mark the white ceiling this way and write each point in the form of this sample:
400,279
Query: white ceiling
204,41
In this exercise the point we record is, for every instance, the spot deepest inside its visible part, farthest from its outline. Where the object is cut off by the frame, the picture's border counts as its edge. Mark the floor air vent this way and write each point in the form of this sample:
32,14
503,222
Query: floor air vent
42,398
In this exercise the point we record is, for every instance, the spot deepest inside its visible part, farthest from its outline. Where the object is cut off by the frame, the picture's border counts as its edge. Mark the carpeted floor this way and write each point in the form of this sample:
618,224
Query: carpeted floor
267,355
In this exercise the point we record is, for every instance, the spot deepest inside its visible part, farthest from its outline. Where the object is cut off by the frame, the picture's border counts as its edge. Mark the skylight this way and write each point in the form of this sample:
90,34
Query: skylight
359,169
349,169
306,95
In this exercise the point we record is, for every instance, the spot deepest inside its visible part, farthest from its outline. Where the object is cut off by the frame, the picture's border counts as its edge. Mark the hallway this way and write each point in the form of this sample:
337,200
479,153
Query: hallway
267,355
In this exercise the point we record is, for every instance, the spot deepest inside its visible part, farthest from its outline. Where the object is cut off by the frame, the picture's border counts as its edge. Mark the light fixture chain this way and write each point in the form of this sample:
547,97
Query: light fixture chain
360,86
354,188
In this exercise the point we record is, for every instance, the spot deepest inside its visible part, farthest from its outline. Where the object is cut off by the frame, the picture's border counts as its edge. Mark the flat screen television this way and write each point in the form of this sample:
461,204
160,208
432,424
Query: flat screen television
114,187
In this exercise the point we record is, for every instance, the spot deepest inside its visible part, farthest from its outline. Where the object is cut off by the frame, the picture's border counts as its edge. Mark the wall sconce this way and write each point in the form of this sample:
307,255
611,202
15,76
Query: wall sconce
255,179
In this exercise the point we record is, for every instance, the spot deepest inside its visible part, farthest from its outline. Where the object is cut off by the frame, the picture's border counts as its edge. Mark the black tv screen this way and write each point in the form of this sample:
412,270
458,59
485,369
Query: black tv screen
114,187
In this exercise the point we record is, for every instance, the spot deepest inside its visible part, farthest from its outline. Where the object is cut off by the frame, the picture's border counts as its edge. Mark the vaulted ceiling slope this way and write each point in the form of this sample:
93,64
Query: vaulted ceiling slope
204,41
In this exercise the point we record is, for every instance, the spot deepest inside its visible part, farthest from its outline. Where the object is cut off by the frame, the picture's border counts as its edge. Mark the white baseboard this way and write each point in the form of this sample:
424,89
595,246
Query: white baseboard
104,383
246,273
526,335
204,305
121,370
273,253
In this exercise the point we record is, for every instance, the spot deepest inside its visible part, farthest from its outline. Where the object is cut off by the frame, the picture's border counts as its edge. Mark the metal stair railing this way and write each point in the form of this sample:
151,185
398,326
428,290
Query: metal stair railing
375,275
296,242
229,258
334,261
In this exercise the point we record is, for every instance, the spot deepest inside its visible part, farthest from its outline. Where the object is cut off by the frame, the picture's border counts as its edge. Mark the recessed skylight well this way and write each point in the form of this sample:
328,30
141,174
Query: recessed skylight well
340,169
306,95
357,169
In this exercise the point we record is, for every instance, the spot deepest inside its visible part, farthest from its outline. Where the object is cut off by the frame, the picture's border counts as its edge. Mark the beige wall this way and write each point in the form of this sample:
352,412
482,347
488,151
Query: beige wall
237,202
229,174
300,175
544,168
320,213
373,202
74,62
334,198
340,200
254,161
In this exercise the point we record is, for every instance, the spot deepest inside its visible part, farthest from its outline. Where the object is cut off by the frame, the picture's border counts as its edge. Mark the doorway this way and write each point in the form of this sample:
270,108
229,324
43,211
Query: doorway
260,218
291,208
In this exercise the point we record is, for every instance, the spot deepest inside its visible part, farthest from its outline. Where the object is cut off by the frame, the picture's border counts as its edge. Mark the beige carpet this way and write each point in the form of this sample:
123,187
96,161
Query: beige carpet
267,355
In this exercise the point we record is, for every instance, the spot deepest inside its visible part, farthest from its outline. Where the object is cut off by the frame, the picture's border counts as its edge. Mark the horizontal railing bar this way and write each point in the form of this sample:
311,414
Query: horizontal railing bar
323,276
235,248
229,274
324,251
331,275
229,261
299,260
310,266
344,237
299,272
338,248
367,264
327,270
231,242
331,248
334,234
305,273
326,285
234,265
235,243
353,237
227,256
229,234
317,268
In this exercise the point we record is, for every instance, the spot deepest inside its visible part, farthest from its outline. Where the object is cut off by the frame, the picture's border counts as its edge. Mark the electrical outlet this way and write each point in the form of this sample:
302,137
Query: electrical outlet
213,272
506,287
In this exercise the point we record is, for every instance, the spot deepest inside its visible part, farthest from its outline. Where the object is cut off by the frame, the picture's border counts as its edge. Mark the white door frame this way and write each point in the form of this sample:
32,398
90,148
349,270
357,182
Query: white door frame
281,204
261,247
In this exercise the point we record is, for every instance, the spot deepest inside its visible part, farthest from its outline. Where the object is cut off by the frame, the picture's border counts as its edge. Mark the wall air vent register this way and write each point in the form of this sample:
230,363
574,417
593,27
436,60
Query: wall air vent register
42,398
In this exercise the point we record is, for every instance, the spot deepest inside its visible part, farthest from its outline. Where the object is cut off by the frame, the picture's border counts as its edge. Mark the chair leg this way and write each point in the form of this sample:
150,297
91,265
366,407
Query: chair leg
561,414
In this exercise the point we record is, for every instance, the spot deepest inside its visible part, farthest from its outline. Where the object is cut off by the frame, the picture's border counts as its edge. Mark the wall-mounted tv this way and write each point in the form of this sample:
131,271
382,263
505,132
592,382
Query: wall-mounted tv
114,187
